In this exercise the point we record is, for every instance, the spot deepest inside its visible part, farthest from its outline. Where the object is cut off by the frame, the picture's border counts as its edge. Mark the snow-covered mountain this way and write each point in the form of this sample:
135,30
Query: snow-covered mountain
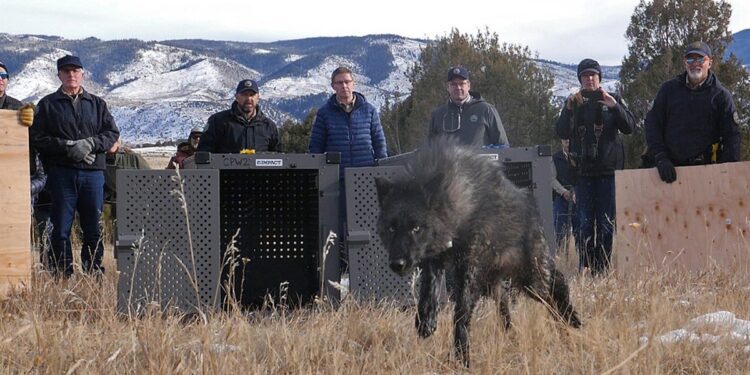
157,91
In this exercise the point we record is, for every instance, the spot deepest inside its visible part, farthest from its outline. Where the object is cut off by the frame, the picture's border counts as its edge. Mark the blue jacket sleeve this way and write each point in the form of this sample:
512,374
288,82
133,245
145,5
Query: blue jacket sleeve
319,134
378,136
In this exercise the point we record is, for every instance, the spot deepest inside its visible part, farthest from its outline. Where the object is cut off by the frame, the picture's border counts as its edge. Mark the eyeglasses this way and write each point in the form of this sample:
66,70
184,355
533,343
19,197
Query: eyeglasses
345,82
691,60
4,75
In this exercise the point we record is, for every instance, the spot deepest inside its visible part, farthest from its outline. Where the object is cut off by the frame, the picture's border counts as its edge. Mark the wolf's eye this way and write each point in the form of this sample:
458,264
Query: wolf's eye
415,230
391,229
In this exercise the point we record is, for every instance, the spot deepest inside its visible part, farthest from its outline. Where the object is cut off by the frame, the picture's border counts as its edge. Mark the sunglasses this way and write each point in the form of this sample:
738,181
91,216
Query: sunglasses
691,60
195,136
4,75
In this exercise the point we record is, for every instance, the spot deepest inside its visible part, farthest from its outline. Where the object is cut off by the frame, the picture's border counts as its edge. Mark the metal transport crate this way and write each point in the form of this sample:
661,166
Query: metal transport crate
251,230
370,277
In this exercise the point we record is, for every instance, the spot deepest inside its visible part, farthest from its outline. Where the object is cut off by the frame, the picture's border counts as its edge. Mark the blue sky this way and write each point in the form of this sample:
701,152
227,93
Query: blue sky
565,31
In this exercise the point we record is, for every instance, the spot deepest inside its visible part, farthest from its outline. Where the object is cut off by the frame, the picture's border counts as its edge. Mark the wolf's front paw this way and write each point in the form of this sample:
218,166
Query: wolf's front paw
426,326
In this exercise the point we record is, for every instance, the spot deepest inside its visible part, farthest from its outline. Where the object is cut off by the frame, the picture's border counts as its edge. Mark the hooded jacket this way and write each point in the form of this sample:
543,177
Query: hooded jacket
474,123
229,132
357,135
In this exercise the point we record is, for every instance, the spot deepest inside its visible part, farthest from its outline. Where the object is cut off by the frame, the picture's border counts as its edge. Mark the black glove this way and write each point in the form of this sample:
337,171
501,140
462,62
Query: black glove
77,150
665,168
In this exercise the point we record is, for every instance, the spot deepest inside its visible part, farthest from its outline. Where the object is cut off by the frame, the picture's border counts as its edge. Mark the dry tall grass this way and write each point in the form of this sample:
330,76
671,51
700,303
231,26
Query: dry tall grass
72,327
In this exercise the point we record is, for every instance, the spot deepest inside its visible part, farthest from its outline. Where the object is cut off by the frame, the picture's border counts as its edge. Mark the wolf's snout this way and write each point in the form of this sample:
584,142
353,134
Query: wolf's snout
399,266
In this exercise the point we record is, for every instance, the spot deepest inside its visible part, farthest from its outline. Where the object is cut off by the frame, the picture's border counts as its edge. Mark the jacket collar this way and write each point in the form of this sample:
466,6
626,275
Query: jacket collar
60,95
710,81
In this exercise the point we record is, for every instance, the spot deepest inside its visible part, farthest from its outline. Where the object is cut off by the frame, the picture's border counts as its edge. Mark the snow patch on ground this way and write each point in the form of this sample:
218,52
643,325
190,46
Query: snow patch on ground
720,326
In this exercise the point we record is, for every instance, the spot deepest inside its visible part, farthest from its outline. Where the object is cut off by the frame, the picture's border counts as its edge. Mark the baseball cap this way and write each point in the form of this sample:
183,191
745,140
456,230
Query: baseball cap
69,60
458,72
245,85
699,48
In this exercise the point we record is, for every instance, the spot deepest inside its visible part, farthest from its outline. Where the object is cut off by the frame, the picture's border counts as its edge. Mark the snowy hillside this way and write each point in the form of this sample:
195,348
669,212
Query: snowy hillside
158,91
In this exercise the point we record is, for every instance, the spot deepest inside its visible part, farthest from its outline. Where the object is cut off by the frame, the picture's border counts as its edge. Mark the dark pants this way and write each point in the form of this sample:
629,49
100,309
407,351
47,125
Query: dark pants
74,190
42,231
566,219
595,197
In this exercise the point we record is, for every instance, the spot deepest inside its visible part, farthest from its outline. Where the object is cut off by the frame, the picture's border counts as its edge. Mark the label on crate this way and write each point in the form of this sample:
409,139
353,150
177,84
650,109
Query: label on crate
269,162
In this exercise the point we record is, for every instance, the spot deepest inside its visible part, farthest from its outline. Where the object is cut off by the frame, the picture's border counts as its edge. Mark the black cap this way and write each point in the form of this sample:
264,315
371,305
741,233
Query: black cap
589,65
69,60
458,72
699,48
245,85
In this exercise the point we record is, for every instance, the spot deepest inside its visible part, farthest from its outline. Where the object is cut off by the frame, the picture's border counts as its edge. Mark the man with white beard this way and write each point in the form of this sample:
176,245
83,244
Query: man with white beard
693,120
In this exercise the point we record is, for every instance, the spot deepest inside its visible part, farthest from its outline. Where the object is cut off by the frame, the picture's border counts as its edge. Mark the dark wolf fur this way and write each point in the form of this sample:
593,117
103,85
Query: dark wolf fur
454,210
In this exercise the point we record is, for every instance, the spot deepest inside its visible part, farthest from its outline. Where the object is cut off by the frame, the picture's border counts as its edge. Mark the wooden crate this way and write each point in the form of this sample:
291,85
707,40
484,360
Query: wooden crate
15,204
700,220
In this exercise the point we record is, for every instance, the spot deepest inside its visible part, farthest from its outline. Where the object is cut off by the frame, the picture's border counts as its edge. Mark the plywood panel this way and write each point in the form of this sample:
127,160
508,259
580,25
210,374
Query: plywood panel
700,220
15,203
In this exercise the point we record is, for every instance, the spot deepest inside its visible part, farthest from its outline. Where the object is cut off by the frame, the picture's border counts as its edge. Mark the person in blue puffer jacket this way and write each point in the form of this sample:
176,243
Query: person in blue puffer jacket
348,124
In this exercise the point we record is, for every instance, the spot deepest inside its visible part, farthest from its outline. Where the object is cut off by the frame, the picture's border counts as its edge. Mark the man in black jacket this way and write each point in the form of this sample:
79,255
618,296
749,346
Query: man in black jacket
72,130
693,120
592,119
242,127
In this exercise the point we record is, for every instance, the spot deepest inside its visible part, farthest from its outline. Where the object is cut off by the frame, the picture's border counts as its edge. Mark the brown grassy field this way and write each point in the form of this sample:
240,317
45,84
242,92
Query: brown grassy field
72,327
67,327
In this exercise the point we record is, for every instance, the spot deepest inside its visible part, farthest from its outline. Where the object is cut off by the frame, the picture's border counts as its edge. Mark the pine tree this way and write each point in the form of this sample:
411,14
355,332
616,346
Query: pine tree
658,33
504,74
295,136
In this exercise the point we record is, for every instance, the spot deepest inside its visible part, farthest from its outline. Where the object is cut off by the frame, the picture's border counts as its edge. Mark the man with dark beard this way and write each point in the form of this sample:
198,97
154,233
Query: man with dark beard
693,120
242,127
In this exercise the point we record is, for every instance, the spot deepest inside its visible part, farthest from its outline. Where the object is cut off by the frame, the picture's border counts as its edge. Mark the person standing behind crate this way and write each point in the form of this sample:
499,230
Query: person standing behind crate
592,119
565,174
466,116
186,149
72,130
242,127
349,125
693,120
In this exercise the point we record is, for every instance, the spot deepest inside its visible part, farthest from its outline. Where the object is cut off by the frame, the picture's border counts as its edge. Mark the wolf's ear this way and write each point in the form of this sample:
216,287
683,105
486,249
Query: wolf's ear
383,185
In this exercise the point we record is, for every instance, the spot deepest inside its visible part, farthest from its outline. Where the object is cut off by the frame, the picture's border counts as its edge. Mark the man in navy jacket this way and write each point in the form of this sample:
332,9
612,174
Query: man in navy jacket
693,120
72,130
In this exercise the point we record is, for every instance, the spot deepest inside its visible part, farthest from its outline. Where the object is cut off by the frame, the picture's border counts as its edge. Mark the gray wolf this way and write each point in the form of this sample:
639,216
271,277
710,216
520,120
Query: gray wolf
454,211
